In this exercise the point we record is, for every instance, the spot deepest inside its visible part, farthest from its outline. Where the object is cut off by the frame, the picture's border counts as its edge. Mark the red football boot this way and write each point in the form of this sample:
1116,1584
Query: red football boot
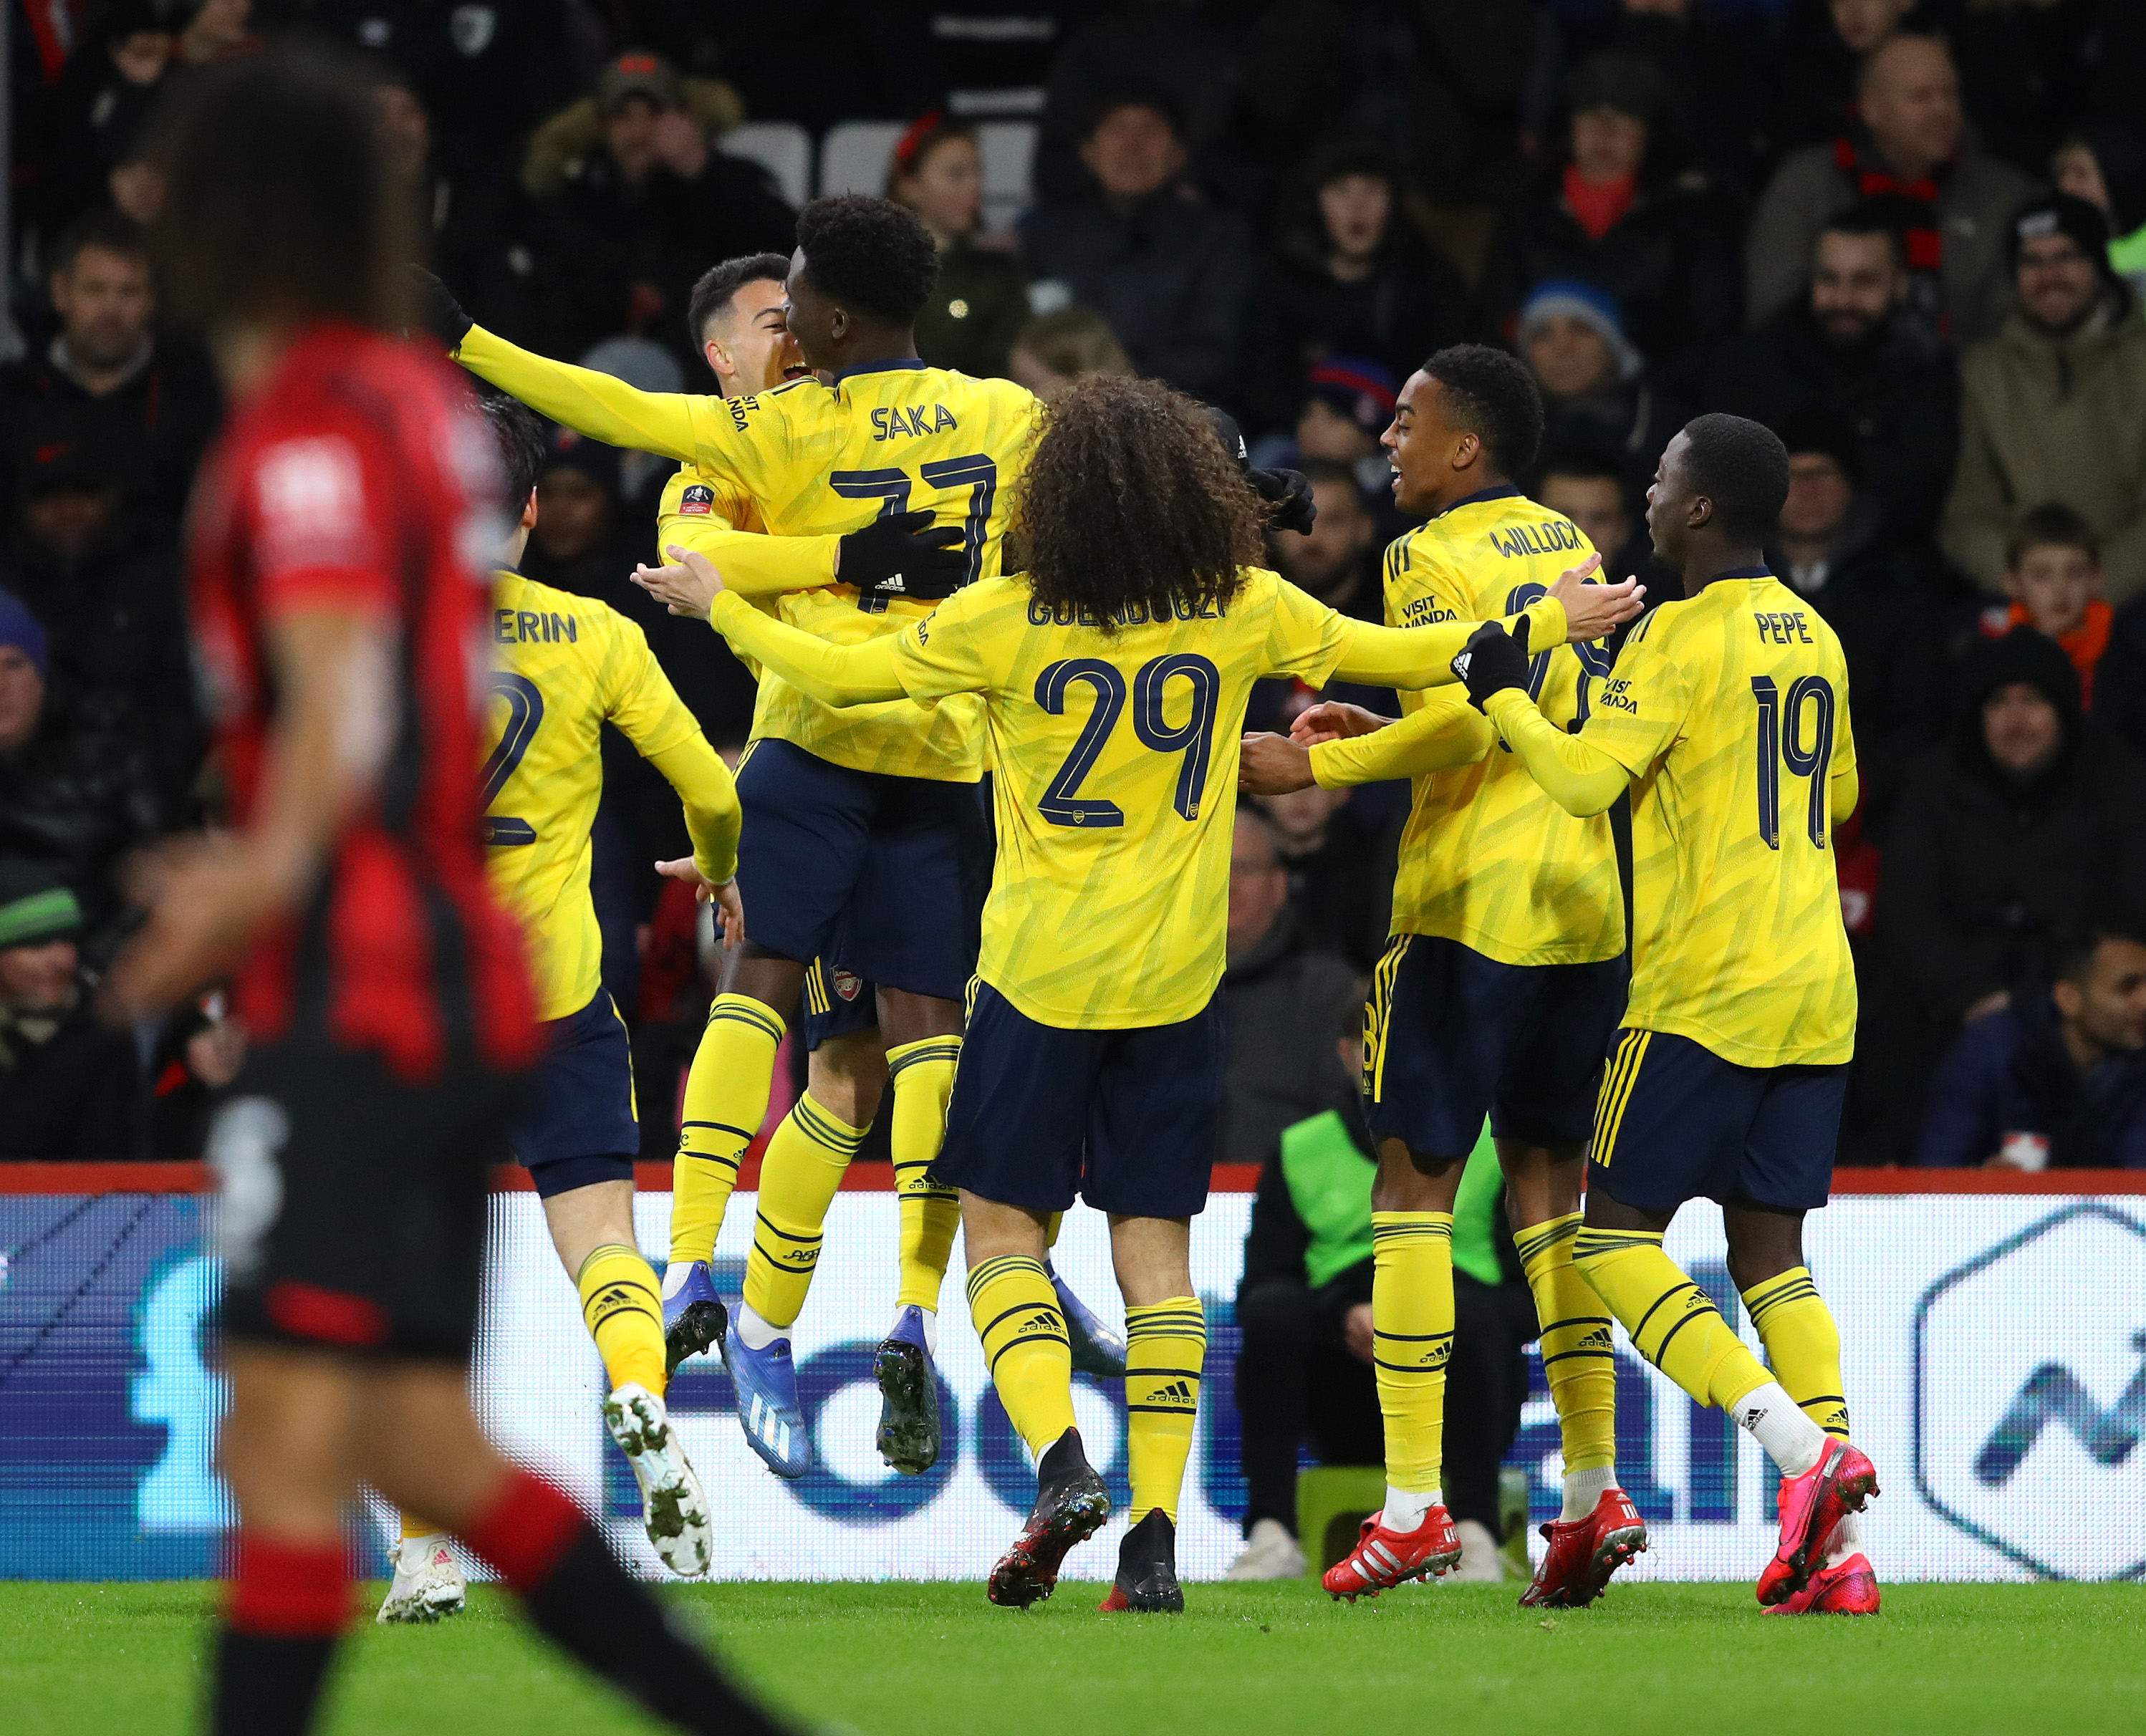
1810,1506
1851,1588
1584,1553
1382,1559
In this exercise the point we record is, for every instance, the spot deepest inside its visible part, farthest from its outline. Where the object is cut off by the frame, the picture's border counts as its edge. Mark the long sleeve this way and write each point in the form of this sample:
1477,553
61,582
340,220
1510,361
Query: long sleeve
710,798
1960,1128
1423,656
1573,771
1443,733
591,403
1843,790
836,675
753,564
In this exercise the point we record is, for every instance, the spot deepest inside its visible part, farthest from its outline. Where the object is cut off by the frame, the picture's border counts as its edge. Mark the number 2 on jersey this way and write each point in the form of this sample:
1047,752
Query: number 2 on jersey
1062,804
1780,742
524,710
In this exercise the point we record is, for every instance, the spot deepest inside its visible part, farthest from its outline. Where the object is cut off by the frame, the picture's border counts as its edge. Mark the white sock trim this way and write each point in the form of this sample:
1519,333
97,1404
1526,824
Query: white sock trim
1775,1421
1846,1540
1583,1489
756,1333
1406,1507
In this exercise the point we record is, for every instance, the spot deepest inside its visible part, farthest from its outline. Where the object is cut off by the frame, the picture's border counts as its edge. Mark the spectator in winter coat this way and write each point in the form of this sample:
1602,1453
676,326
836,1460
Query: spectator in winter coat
70,1085
980,301
2053,407
1598,394
1908,143
1350,277
2058,1080
1170,274
1282,999
2027,823
1851,350
1659,244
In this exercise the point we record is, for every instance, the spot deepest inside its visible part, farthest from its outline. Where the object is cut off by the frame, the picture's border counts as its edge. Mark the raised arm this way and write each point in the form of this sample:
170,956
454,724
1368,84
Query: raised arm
836,675
587,401
1444,732
1573,771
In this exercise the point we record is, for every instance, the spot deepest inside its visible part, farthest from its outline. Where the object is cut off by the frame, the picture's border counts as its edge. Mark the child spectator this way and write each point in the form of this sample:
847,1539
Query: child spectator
2053,576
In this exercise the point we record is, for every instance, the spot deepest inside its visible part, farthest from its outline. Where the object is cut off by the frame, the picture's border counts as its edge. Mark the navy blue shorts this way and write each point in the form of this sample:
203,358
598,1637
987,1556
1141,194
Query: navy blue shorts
887,874
1450,1035
1676,1122
838,1002
1129,1119
576,1124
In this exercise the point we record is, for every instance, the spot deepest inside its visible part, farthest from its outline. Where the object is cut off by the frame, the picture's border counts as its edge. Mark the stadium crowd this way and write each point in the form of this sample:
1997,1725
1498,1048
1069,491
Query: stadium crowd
1911,239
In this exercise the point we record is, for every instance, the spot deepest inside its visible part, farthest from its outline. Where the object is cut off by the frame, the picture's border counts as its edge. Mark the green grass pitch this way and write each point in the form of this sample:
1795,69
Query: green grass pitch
936,1660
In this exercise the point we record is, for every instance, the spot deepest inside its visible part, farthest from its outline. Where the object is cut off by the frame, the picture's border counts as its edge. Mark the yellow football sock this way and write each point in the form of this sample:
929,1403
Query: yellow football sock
1016,1314
624,1311
1803,1344
1577,1358
1412,1334
922,1075
726,1101
1165,1346
1674,1323
801,1172
1050,1230
412,1526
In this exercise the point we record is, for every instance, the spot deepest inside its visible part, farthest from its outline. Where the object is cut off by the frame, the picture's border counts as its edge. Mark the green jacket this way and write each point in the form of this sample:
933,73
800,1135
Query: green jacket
1329,1184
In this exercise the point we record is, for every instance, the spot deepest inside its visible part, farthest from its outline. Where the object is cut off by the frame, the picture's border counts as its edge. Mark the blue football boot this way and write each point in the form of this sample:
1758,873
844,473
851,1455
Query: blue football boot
908,1438
766,1382
1097,1349
694,1317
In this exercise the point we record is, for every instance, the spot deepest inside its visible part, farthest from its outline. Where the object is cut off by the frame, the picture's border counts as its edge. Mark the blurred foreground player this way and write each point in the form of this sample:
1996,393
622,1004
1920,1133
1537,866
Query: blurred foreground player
565,665
1727,719
339,624
1111,674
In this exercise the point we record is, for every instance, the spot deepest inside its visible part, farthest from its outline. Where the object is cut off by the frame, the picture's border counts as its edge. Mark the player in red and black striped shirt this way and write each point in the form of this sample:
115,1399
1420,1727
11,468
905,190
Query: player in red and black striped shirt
337,615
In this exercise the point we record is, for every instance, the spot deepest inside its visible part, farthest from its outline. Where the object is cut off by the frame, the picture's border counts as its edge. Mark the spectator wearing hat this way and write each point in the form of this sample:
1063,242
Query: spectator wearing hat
1598,394
2057,1080
1349,275
630,203
1658,241
2053,407
1346,404
1908,141
1171,274
981,302
106,389
70,1085
1833,548
72,795
1850,350
2026,823
2103,161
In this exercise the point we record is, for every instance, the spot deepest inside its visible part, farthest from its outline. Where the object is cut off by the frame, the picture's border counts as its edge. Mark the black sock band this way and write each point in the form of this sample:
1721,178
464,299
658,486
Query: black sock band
267,1684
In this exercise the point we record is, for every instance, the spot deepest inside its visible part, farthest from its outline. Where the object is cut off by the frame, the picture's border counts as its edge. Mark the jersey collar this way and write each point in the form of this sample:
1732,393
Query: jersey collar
1760,571
881,367
1503,491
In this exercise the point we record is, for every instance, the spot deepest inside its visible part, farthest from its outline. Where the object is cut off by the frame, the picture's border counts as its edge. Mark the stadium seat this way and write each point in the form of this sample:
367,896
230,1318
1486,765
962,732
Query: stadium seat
1008,150
1332,1501
854,155
781,147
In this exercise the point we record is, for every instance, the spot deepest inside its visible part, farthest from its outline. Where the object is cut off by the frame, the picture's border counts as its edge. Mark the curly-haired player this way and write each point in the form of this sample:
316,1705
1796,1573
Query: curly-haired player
1110,676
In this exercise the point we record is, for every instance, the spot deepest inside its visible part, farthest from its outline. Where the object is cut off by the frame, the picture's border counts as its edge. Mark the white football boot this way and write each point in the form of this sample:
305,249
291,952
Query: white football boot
428,1581
673,1509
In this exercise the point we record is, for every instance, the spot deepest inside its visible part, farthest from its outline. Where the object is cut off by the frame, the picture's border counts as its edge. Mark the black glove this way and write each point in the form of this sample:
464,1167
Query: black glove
438,311
903,554
1494,660
1289,491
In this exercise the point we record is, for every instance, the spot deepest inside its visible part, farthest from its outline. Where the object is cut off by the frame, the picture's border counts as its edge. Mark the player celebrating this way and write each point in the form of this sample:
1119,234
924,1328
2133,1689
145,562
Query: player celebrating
566,665
339,627
1728,721
1093,1060
1499,990
863,833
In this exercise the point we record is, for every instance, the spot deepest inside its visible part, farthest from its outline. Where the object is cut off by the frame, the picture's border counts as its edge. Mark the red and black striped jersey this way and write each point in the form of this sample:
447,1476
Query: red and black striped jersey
358,477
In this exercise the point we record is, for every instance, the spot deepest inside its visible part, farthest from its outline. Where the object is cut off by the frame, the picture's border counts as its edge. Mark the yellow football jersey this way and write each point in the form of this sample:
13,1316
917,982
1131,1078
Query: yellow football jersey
562,666
1114,762
814,460
1486,859
1730,710
943,742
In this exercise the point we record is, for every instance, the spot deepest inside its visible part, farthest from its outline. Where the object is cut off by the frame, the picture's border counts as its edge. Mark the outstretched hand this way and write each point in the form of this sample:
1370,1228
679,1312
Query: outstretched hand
1273,766
729,908
1332,720
1591,610
438,311
1494,660
903,554
689,588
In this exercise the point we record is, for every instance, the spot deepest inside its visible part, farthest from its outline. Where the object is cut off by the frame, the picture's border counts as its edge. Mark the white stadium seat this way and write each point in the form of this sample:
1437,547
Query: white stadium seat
854,154
781,147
